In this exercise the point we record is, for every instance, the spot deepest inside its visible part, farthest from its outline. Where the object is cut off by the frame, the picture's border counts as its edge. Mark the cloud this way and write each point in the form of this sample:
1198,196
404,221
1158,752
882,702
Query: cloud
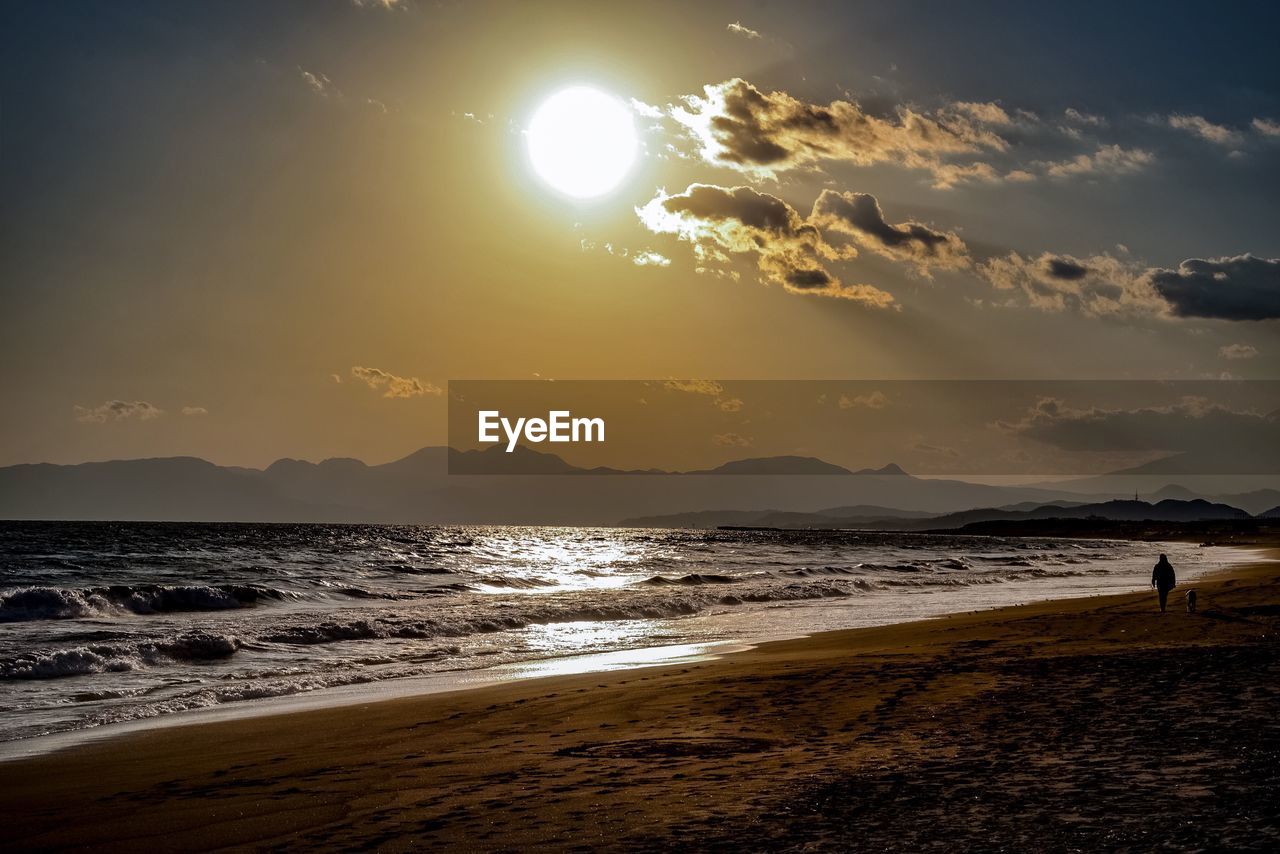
1106,160
732,440
117,410
649,258
711,388
641,258
1238,351
1065,269
194,410
394,386
1205,129
1098,285
858,216
1266,127
746,32
874,400
936,450
319,83
790,249
648,111
379,4
982,111
1194,424
764,133
1239,288
1081,118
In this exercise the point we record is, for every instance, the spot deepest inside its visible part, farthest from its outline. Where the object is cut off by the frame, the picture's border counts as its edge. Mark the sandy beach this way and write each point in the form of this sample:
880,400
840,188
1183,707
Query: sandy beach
1067,725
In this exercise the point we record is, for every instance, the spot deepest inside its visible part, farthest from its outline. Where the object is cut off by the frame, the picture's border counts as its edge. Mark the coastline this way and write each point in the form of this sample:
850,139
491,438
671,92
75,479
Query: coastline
755,738
734,632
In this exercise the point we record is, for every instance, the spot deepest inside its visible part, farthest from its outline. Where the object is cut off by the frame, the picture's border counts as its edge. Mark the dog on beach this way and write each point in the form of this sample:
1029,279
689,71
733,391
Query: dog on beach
1191,601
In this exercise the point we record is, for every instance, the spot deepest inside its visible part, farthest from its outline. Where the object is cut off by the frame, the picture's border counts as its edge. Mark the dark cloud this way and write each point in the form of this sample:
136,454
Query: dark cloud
1193,425
763,133
1065,268
858,215
789,249
1098,285
1239,288
793,250
806,279
862,211
755,210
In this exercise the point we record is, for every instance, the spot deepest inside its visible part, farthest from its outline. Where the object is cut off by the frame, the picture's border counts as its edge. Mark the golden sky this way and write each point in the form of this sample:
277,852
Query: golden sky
249,231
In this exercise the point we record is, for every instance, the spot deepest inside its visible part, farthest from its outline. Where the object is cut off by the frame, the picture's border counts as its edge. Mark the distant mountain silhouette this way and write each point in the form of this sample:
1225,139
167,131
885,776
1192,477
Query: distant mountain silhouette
882,518
890,469
1173,490
1252,501
1273,513
1221,489
524,460
1167,510
174,488
776,466
418,489
497,460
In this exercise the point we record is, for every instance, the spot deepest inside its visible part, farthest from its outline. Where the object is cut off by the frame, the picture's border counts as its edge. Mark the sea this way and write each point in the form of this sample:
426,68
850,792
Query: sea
110,624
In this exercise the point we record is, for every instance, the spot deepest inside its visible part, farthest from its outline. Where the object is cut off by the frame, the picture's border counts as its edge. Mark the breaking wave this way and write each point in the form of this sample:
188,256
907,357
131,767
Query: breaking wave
107,658
59,603
691,579
653,607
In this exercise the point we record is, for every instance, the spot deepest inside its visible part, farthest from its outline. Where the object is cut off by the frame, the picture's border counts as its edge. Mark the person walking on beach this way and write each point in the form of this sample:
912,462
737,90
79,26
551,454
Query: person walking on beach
1163,579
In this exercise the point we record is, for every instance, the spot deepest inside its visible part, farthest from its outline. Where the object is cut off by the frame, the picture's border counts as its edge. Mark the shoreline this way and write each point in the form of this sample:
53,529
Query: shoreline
470,679
742,735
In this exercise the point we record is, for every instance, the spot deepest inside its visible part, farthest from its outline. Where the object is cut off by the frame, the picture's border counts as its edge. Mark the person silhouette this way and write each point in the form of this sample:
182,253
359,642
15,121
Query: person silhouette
1163,579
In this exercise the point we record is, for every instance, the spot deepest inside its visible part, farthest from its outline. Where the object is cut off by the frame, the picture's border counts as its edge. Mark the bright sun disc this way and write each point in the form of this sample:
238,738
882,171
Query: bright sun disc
582,142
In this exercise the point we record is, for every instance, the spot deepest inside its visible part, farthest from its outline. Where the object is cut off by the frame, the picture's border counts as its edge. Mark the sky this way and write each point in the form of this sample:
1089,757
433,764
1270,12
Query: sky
246,231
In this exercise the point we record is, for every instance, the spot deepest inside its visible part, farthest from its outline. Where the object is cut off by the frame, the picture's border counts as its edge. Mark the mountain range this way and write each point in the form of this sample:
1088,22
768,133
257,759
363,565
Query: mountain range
420,489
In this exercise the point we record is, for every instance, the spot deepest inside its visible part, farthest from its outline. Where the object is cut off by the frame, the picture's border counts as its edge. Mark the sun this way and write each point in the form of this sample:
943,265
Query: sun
582,141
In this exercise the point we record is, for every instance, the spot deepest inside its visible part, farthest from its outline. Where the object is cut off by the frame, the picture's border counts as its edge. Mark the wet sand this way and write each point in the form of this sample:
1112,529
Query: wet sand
1072,725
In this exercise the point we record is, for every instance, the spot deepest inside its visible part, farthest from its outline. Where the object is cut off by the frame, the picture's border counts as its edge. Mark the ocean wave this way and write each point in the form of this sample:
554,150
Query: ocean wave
205,697
981,578
104,658
820,571
61,603
692,579
510,617
513,583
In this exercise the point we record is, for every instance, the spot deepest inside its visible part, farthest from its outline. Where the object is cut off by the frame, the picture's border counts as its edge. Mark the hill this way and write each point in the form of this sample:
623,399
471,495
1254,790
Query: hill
420,489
